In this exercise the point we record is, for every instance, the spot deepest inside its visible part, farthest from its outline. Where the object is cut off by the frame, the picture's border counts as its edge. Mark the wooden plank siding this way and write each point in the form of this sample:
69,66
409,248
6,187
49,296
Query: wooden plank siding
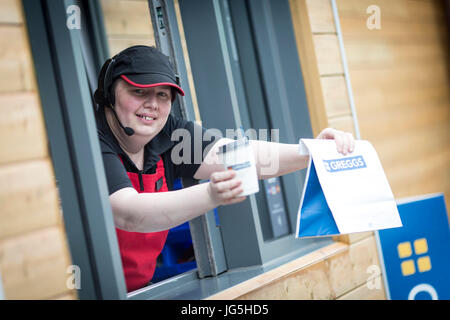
34,264
400,78
127,23
34,255
28,197
21,119
15,63
303,23
338,271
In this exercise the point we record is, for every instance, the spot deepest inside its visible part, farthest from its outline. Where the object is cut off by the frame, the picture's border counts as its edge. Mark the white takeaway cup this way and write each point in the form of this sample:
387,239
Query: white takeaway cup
239,156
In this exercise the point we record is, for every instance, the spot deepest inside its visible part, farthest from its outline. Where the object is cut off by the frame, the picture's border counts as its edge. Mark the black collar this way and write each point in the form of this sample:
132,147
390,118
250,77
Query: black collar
152,150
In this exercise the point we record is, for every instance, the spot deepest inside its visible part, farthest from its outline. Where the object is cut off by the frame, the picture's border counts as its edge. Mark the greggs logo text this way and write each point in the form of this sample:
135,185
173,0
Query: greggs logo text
343,164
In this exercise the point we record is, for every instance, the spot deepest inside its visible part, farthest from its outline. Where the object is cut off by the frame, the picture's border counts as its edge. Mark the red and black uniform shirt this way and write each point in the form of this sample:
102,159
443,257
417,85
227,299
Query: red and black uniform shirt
139,251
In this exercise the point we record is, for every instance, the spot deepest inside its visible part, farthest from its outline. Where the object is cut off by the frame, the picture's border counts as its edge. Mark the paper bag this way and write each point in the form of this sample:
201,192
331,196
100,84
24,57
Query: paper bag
344,193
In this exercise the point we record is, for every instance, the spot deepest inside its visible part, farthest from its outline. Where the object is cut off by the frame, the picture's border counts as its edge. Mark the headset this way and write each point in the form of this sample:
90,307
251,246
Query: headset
107,79
103,96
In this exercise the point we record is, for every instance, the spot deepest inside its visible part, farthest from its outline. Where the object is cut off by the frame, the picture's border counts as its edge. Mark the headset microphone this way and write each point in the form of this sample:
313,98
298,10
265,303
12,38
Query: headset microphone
128,131
104,96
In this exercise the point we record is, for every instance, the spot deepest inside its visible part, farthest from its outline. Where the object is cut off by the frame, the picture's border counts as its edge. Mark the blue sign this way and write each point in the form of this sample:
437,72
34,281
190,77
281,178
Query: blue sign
416,257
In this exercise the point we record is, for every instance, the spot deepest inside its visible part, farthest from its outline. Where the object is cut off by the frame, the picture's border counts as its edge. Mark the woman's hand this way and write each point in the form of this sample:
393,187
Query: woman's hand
224,188
345,143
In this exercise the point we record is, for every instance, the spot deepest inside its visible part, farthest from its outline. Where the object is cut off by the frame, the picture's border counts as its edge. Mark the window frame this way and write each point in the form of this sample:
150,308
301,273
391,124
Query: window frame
74,148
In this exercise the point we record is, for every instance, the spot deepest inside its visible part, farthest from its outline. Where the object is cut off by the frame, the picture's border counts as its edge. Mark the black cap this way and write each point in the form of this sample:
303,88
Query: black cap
144,66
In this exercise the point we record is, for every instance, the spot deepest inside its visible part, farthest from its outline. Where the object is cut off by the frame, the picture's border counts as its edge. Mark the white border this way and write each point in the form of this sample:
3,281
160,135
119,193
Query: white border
2,295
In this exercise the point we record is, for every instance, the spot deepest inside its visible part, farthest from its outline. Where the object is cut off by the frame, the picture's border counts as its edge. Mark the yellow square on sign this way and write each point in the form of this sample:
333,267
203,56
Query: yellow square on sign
424,264
420,246
408,267
404,249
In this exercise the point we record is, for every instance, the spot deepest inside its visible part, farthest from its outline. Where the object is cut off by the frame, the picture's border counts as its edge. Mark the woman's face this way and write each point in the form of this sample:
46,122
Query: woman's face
145,110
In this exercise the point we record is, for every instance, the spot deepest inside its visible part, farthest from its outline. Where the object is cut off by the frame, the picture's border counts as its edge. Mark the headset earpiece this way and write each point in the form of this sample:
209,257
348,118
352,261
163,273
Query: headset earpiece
99,95
109,98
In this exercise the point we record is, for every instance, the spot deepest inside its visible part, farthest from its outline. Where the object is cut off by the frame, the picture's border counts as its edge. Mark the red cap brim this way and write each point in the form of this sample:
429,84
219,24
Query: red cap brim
180,91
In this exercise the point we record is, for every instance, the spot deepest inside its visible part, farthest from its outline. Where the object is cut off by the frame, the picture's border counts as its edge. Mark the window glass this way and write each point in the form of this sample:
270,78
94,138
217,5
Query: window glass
127,23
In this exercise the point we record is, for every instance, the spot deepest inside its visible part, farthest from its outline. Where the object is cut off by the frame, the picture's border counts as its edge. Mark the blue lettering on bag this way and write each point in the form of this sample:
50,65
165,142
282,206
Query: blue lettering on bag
343,164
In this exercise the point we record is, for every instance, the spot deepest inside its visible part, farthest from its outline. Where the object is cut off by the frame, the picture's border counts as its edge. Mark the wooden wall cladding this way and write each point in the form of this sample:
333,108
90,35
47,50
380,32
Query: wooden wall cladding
321,16
329,273
34,264
28,197
400,79
22,122
127,23
375,291
328,55
11,12
344,123
335,95
15,63
302,23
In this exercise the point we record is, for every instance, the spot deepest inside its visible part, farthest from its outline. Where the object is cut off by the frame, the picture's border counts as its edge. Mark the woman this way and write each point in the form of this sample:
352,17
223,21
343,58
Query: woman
135,94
